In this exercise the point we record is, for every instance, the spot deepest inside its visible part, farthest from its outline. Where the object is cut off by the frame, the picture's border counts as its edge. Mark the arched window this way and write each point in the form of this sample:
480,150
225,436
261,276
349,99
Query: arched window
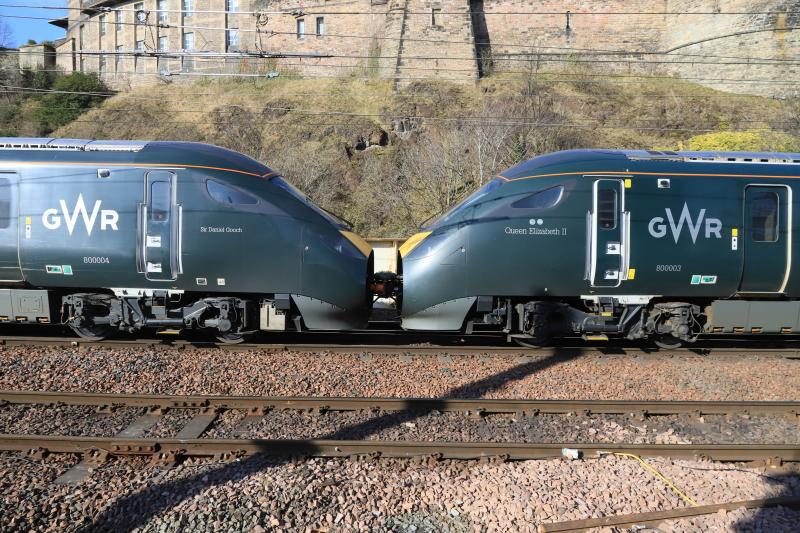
228,195
541,199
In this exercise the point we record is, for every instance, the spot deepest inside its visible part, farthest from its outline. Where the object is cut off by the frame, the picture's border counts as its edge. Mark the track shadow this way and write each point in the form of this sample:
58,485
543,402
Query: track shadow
774,519
136,509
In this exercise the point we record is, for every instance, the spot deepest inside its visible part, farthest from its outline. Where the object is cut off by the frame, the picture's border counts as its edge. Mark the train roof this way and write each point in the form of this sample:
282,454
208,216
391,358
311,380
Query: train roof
134,153
568,160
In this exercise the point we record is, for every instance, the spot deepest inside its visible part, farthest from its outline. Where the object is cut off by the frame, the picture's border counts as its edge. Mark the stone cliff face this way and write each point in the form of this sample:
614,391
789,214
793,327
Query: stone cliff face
771,41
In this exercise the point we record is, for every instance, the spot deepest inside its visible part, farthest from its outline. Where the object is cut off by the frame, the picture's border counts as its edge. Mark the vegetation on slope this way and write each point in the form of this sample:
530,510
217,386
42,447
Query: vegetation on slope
388,161
36,102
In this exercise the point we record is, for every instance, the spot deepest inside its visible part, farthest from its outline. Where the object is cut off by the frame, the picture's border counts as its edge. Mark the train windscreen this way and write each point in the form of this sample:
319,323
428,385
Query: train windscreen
472,199
294,191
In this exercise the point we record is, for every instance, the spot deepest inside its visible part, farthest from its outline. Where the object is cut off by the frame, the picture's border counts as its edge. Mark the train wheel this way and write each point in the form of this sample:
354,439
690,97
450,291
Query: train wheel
232,338
92,333
668,342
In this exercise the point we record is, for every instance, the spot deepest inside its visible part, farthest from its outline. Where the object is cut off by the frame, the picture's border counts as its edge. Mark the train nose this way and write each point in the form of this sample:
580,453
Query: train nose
356,240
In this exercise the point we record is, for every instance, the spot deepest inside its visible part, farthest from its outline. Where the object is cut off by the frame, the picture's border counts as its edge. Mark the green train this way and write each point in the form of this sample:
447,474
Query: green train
109,236
655,245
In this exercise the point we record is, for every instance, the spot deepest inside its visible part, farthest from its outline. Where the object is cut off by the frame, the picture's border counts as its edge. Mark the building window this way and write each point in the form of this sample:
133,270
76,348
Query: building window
232,39
162,10
163,44
320,26
103,25
117,59
137,61
102,64
80,47
188,46
118,20
138,6
301,29
434,12
232,6
188,8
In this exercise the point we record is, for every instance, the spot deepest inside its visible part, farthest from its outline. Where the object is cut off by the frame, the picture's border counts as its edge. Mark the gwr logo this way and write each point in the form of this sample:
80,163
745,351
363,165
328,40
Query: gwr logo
108,217
658,228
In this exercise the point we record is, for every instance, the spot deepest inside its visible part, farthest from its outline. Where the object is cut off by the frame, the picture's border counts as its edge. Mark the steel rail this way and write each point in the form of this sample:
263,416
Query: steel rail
656,517
198,447
412,349
473,406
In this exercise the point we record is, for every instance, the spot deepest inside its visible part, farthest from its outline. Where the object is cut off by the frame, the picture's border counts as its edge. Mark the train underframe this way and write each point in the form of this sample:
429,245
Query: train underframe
230,318
533,323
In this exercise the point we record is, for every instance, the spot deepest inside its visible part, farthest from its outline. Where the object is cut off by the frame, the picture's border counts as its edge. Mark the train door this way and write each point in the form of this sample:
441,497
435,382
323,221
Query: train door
767,238
608,229
9,235
159,227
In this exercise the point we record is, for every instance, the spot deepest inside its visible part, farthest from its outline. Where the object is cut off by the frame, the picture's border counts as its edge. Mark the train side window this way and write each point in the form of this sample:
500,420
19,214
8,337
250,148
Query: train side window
541,199
5,203
607,208
228,195
764,216
160,200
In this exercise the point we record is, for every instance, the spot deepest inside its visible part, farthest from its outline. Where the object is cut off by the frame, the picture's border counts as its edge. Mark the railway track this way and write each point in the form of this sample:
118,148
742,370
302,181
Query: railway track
189,441
450,346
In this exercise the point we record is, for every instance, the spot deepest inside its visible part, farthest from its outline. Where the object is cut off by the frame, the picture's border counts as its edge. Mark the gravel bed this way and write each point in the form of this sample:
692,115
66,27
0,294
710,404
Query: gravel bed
170,423
64,420
259,372
260,494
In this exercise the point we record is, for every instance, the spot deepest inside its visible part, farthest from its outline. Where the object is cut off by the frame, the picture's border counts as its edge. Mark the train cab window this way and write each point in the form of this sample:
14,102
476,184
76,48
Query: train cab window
5,203
160,201
764,216
607,208
541,199
228,195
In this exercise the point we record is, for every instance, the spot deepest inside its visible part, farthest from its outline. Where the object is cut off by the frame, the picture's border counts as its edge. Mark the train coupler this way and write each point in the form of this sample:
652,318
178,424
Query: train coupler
385,285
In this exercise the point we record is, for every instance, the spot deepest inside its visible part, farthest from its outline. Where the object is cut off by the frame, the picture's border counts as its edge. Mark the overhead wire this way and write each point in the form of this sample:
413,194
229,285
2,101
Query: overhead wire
483,124
388,115
521,58
494,121
160,25
289,10
404,97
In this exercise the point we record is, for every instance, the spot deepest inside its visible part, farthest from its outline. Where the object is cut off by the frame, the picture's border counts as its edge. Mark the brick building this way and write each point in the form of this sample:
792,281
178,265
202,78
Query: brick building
134,42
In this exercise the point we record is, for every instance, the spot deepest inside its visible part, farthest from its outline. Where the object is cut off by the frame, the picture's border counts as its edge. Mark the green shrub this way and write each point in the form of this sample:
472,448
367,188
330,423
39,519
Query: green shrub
60,108
749,141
